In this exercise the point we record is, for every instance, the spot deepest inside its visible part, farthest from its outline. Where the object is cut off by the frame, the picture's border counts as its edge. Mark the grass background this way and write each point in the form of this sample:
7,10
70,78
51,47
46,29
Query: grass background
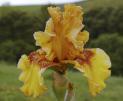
9,86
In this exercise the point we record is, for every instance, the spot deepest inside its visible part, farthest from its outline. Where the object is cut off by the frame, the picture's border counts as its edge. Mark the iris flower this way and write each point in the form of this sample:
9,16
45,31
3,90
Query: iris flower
62,42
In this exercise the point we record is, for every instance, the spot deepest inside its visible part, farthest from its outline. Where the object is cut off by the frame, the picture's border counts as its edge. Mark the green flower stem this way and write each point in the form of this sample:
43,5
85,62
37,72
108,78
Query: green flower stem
70,95
63,89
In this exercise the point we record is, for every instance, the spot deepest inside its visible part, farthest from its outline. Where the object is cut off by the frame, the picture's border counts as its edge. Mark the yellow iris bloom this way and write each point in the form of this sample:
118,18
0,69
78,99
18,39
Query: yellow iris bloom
63,42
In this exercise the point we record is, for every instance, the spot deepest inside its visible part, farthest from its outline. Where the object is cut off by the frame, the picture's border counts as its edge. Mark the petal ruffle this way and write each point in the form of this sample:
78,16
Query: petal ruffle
81,40
31,77
72,20
55,14
42,38
49,27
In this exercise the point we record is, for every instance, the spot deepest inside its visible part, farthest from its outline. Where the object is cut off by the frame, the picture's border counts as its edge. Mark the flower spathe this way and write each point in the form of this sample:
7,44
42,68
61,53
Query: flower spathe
63,42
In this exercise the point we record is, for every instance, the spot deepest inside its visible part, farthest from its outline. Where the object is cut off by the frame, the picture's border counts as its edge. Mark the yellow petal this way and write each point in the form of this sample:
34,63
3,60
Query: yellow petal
33,84
23,62
48,49
83,36
81,40
32,79
49,27
72,21
55,14
41,38
96,69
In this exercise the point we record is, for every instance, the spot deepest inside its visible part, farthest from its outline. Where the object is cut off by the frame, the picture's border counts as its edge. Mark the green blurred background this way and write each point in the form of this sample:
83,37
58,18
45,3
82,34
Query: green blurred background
102,18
